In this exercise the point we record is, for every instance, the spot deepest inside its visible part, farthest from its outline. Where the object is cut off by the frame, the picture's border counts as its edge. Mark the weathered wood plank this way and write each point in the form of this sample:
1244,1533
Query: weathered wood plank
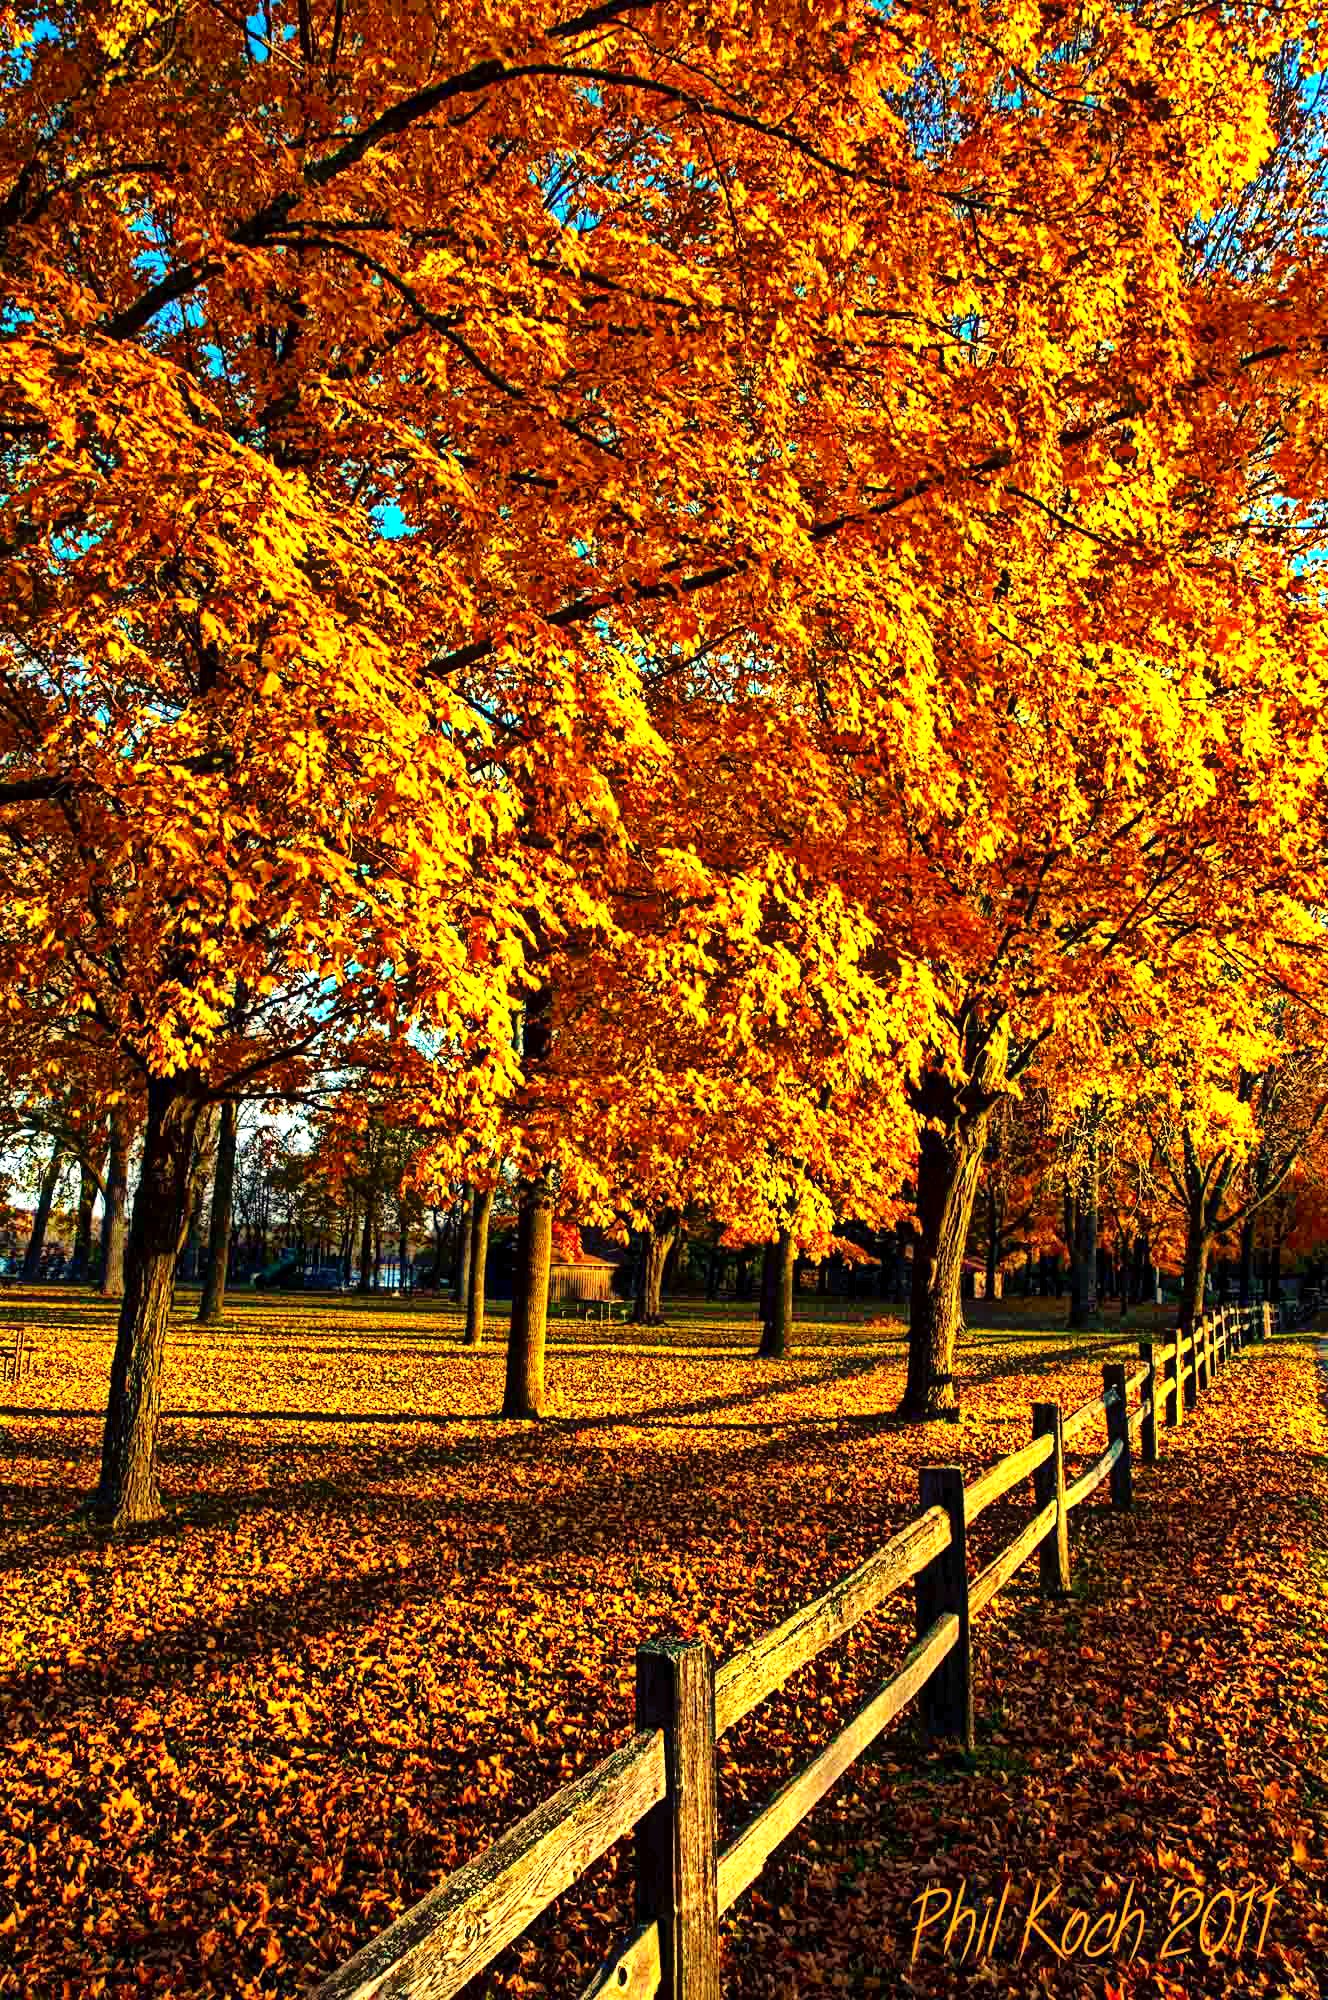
746,1855
1141,1415
1088,1482
998,1572
1049,1490
946,1700
765,1665
1173,1407
1149,1403
1007,1472
678,1840
633,1972
1115,1395
1080,1419
452,1933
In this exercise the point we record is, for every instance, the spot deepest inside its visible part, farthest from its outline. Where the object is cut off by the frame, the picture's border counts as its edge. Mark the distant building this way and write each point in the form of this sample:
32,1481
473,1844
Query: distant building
598,1273
975,1279
584,1277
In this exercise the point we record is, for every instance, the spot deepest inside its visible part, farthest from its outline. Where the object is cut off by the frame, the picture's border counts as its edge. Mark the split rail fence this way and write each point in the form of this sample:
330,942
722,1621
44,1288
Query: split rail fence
660,1786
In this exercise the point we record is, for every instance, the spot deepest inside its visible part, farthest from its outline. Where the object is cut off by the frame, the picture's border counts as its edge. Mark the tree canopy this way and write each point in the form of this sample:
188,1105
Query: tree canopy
696,596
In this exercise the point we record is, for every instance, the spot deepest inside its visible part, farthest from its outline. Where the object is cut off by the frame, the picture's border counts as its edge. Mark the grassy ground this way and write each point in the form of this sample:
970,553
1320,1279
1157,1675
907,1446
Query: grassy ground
381,1624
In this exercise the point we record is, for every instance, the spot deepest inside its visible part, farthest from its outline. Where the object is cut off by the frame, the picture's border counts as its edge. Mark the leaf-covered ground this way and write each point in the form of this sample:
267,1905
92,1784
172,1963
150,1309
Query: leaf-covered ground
380,1625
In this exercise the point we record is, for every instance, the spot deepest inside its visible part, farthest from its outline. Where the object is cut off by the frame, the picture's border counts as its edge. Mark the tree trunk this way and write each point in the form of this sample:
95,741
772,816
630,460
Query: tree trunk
1245,1296
219,1225
477,1232
950,1153
769,1282
993,1244
127,1493
1141,1265
87,1195
656,1244
114,1222
948,1167
200,1170
1198,1243
50,1181
779,1309
523,1395
403,1253
1083,1245
367,1249
465,1247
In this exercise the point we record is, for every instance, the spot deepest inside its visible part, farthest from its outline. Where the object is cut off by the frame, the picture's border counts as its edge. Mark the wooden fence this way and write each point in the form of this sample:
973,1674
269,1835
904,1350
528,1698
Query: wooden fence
14,1351
660,1786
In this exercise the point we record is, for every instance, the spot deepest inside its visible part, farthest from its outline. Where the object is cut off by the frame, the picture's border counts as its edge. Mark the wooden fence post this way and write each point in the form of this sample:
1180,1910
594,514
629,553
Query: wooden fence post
946,1702
1191,1381
1118,1426
1171,1397
1265,1320
1049,1484
676,1842
1149,1438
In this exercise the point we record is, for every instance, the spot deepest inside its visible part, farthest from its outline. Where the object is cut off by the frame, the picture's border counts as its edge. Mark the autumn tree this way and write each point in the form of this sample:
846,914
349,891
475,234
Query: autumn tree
417,443
1011,1214
1227,1138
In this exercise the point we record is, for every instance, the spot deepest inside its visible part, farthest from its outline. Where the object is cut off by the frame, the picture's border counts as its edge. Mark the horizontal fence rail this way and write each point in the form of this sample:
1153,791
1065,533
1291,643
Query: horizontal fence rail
660,1786
760,1669
744,1858
463,1925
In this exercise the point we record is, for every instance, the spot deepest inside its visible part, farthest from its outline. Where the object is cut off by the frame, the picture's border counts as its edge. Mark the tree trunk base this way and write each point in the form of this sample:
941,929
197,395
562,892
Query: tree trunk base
937,1403
119,1519
521,1412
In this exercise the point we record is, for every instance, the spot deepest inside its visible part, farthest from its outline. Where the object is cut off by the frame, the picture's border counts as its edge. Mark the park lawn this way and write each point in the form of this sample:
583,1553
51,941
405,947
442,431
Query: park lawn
380,1625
